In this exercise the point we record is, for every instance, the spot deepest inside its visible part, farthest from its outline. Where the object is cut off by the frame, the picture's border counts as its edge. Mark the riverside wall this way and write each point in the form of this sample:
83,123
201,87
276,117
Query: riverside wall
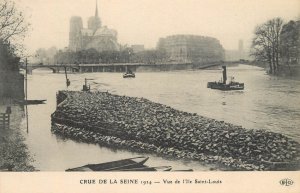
141,125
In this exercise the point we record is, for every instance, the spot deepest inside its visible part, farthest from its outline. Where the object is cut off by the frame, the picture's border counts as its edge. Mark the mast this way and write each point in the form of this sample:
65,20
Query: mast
96,12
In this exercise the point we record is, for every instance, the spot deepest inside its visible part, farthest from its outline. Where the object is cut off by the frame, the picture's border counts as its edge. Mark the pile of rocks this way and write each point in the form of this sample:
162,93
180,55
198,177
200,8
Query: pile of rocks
170,130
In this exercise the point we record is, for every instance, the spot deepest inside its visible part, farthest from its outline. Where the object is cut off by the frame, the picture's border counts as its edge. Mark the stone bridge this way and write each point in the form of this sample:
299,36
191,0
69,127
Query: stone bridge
119,67
55,68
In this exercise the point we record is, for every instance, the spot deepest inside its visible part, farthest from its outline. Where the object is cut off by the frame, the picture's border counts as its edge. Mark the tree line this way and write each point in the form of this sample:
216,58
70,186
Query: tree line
277,44
9,61
13,27
125,55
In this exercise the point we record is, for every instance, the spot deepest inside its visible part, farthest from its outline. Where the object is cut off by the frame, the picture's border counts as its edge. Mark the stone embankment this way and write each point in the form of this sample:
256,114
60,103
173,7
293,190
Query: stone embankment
141,125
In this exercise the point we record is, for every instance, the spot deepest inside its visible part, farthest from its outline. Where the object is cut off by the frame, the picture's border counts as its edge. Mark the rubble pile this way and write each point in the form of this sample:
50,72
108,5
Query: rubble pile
138,123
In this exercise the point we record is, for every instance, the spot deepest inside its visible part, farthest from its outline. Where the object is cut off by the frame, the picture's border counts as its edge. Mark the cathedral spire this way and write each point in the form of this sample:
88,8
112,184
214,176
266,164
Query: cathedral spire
96,13
94,22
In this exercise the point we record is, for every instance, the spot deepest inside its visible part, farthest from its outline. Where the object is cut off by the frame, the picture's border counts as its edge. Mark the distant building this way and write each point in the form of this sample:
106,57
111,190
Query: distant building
191,48
95,36
239,54
138,48
241,49
232,55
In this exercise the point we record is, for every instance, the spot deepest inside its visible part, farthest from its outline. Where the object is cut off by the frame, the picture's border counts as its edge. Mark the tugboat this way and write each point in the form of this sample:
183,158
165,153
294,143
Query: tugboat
221,85
129,74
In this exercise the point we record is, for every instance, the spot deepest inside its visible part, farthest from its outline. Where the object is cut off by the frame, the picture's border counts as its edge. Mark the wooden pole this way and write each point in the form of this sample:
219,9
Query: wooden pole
8,120
26,71
26,111
3,118
26,95
66,74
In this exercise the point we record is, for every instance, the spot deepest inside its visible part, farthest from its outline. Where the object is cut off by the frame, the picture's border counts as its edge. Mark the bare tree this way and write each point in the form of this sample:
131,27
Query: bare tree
266,43
12,21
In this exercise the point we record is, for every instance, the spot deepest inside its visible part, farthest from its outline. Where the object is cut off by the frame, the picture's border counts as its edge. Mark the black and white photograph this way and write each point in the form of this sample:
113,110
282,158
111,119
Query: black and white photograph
133,86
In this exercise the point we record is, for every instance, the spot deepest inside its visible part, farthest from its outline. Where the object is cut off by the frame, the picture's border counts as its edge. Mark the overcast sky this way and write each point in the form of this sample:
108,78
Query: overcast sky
145,21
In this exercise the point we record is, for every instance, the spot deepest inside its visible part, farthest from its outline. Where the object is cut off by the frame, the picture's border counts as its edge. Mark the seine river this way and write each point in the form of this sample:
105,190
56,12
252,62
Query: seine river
267,102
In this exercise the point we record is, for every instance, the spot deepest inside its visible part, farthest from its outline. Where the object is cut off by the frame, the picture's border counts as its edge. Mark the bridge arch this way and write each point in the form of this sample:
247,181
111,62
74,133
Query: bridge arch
51,68
54,68
31,68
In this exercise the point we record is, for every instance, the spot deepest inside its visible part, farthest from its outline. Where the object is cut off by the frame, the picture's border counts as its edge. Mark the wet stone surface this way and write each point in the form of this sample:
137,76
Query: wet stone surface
139,124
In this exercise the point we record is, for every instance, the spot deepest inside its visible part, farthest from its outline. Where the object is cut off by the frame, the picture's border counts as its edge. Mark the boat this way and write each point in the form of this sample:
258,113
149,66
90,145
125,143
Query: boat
221,85
146,168
282,166
6,168
86,87
30,102
183,170
129,74
136,162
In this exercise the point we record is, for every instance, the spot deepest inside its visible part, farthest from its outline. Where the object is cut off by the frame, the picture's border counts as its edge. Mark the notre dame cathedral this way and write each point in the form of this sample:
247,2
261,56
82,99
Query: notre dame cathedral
95,36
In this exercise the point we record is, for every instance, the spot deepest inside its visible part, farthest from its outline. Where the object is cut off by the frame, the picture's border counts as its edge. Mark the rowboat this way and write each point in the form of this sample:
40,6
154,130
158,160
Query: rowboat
136,162
146,168
183,170
30,102
6,168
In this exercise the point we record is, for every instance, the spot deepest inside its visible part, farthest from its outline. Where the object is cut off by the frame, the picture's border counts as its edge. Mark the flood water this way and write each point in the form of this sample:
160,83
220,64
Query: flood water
267,102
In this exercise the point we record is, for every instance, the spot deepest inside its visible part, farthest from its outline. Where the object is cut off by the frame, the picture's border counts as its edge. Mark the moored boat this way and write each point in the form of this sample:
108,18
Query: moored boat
146,168
283,166
183,170
136,162
30,102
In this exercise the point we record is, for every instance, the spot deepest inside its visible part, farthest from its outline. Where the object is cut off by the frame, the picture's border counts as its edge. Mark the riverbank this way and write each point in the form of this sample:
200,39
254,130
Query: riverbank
143,125
284,70
13,150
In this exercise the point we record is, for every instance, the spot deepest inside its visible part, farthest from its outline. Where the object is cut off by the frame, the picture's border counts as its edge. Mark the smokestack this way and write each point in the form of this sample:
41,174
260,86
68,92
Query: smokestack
224,74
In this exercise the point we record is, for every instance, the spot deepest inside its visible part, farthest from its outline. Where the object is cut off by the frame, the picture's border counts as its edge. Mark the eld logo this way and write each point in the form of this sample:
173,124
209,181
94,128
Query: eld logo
286,182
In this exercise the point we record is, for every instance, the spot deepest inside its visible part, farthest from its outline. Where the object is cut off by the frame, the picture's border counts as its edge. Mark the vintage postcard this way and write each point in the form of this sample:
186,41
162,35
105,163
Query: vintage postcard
150,96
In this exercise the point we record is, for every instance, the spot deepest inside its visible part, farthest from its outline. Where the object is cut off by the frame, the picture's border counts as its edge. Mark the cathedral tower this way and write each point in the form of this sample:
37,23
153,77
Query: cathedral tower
75,33
95,36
